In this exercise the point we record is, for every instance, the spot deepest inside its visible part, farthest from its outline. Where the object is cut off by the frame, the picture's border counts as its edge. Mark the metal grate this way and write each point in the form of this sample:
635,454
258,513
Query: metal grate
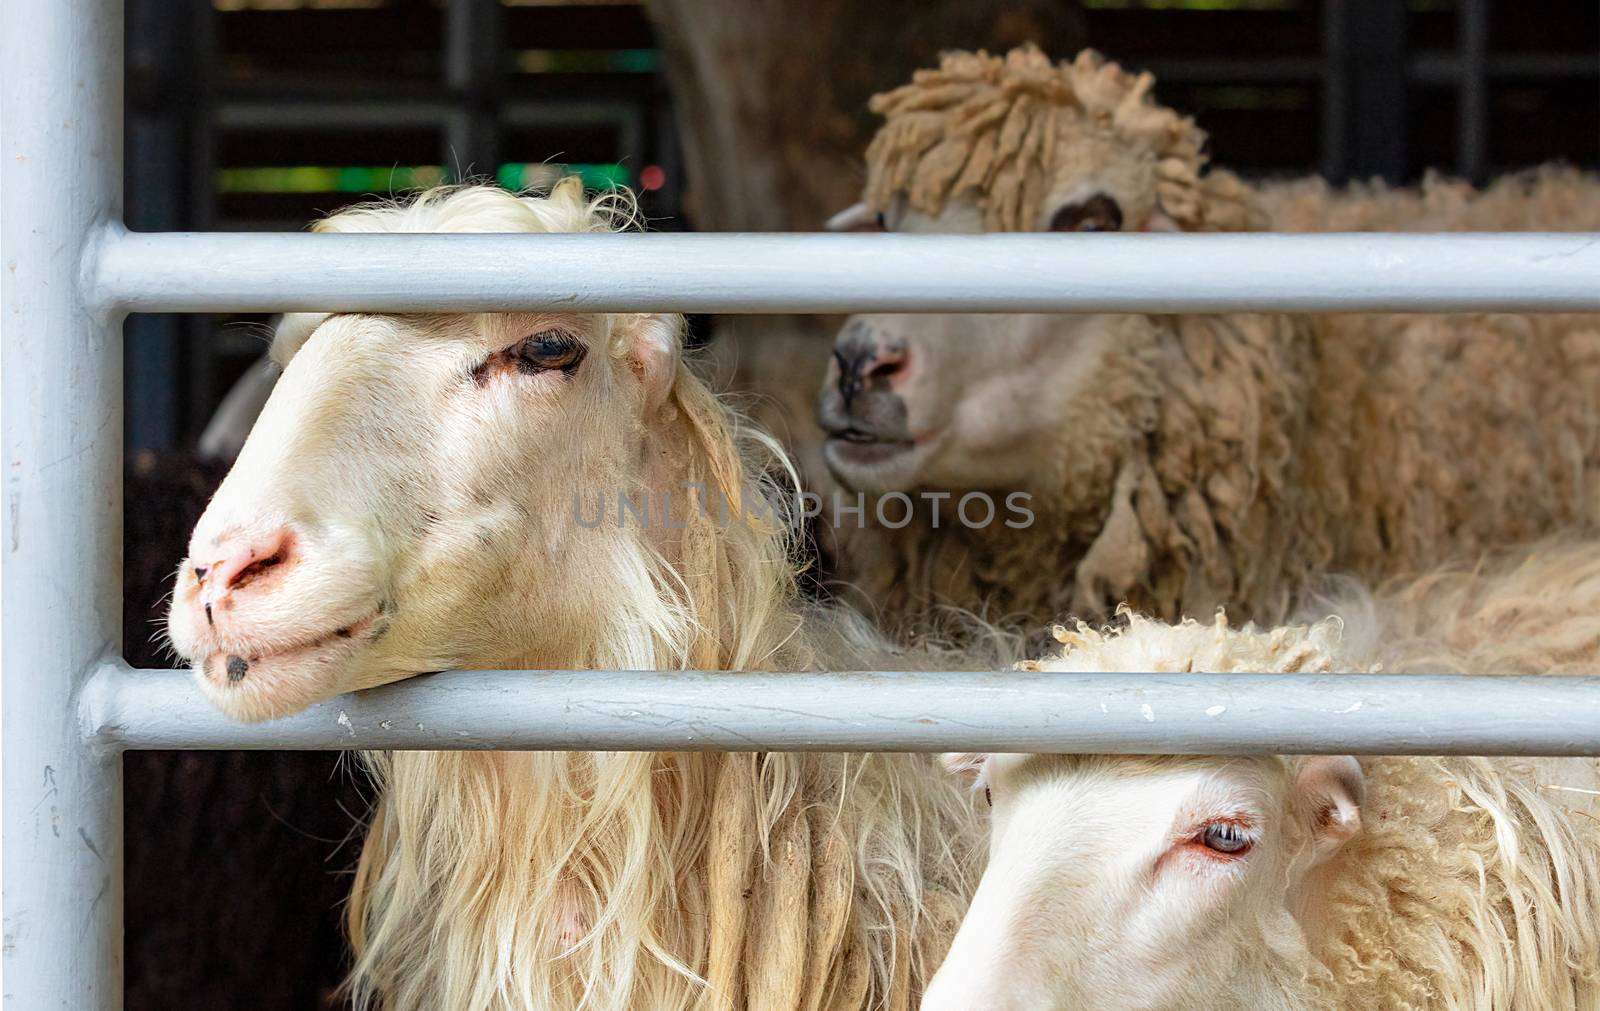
71,272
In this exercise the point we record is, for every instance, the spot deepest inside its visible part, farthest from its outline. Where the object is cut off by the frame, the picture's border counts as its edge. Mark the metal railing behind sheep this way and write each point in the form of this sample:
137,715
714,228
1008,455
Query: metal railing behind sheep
71,706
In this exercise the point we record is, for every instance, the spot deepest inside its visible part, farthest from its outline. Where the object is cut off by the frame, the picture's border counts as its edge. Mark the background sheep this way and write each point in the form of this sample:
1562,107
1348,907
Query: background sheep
418,496
1299,883
1190,461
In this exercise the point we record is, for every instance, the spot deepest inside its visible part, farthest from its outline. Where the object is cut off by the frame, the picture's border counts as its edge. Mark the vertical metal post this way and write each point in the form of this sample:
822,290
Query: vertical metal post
474,63
198,346
1368,50
1335,91
160,94
1472,100
61,531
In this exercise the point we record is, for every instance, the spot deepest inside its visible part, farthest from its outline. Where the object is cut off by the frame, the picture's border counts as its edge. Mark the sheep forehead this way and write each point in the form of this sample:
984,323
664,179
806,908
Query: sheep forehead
982,123
458,210
1114,768
960,215
361,330
1148,795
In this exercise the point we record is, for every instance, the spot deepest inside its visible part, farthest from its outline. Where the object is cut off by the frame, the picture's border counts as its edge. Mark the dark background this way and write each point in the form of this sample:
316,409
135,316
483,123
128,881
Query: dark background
264,114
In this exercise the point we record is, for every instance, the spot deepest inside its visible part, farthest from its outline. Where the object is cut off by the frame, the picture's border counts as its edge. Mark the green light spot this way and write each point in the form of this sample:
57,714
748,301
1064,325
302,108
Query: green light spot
542,175
385,179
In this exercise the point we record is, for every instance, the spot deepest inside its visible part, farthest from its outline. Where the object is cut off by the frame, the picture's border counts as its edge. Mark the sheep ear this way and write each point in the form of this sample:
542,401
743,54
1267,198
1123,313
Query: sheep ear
855,218
966,764
1331,790
655,343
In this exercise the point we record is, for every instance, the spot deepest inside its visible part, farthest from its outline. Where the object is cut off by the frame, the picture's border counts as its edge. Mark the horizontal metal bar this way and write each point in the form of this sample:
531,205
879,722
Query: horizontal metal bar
946,711
1426,68
1445,68
1266,70
222,272
334,112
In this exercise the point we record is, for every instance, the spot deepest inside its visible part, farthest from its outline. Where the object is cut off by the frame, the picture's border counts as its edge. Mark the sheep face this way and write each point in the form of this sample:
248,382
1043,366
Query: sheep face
956,402
1007,143
1148,883
406,502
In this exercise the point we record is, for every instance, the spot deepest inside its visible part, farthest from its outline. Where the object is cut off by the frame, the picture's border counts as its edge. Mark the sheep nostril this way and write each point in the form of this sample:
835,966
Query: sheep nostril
254,569
244,560
885,367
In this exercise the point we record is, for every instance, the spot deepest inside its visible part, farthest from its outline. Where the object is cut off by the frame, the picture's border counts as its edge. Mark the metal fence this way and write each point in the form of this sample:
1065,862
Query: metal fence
71,706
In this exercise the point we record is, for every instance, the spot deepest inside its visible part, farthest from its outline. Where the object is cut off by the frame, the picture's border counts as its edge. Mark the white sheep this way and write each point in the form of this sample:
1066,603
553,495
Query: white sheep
419,493
1304,883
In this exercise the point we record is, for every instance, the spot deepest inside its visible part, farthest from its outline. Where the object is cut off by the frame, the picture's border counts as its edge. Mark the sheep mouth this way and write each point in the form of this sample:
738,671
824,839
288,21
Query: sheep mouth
862,437
874,463
857,446
231,669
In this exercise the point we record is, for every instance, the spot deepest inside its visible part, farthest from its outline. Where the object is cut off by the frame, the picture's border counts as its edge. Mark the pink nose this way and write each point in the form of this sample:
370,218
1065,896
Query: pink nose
868,367
237,563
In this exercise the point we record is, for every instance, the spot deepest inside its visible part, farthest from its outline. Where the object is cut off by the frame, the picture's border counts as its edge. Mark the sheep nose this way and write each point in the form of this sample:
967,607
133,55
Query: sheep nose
869,364
237,562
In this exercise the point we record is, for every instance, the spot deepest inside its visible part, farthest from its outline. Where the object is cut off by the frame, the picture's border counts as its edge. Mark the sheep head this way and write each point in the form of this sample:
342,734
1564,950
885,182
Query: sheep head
1015,143
1154,882
434,491
1035,146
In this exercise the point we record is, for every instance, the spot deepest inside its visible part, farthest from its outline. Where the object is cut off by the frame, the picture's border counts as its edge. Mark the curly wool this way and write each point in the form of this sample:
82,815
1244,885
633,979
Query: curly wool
1233,459
1474,882
997,127
1470,886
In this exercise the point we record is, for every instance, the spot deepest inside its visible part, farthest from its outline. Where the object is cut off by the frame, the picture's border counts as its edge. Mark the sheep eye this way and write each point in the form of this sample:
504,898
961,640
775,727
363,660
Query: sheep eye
1224,837
548,351
1099,213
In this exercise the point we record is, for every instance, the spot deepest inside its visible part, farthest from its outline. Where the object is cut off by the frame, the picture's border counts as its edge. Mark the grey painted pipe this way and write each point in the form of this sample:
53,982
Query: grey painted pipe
61,529
221,272
873,711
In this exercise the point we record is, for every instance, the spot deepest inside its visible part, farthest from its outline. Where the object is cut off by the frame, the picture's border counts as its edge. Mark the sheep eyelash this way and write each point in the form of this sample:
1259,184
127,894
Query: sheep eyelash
574,350
512,357
1194,839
